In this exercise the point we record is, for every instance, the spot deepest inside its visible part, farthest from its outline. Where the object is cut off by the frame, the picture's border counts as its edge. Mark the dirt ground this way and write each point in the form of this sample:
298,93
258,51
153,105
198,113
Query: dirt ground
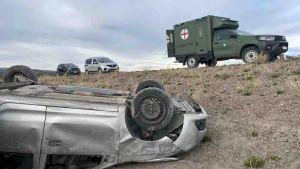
253,110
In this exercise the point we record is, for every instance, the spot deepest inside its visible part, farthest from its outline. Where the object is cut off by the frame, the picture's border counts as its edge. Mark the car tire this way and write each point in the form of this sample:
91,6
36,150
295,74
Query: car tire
100,70
250,54
149,83
152,109
192,62
9,74
212,62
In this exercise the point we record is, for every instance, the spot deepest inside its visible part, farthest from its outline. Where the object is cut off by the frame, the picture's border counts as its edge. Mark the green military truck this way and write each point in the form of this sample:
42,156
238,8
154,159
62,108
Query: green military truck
212,38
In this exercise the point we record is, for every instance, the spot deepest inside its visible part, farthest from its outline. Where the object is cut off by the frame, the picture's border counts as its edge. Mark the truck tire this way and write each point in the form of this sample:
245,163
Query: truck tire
152,109
212,62
192,62
149,83
250,54
9,74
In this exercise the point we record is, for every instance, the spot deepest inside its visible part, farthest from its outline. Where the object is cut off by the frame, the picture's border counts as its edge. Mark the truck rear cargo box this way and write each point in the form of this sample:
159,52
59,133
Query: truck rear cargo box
194,38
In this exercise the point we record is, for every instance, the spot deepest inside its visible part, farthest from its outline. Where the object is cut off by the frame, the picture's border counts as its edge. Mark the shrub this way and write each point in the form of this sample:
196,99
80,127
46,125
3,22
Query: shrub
254,161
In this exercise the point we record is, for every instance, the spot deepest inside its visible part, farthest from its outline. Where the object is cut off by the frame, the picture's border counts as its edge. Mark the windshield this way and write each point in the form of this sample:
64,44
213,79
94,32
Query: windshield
240,32
104,60
70,65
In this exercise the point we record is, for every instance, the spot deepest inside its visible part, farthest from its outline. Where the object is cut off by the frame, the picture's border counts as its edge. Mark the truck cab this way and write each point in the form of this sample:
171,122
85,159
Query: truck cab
211,39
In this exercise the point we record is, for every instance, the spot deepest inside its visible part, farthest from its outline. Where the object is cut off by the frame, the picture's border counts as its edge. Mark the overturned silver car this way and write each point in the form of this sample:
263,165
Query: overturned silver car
72,127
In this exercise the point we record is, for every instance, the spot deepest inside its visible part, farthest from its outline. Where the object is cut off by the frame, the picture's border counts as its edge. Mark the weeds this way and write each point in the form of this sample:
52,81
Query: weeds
246,91
261,58
206,139
275,158
254,161
275,75
223,76
279,92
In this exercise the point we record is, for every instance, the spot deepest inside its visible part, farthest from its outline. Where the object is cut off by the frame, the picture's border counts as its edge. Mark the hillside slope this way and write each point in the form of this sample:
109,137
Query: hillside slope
253,110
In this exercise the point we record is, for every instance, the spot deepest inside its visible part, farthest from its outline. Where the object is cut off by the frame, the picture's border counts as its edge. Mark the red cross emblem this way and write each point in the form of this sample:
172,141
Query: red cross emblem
184,34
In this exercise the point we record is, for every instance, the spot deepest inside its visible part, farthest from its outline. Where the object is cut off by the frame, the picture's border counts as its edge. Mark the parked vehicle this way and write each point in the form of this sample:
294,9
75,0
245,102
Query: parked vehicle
67,69
100,64
72,127
211,39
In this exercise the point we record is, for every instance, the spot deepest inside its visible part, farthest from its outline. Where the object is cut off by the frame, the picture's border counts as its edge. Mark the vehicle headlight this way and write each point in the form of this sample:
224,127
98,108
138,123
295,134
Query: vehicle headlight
266,38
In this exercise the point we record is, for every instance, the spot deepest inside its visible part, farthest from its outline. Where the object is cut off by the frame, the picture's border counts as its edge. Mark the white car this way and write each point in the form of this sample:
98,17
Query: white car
72,127
100,64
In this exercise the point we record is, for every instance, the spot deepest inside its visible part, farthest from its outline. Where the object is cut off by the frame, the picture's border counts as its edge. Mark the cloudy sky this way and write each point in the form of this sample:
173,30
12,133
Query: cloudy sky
42,34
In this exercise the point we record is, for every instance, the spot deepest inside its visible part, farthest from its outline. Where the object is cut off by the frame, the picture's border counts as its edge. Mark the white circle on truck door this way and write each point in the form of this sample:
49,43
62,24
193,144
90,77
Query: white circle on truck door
184,34
168,39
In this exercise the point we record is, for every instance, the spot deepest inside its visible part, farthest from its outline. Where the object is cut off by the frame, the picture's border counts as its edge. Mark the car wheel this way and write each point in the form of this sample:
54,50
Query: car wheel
100,71
212,62
152,109
192,62
10,73
250,54
149,83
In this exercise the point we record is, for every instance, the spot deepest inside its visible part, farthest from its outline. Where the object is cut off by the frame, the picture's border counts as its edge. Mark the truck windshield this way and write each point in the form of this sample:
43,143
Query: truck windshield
240,32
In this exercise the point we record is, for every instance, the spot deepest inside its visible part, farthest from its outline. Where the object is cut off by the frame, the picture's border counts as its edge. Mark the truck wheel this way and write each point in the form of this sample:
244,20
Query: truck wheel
149,83
212,62
250,54
152,109
192,62
11,72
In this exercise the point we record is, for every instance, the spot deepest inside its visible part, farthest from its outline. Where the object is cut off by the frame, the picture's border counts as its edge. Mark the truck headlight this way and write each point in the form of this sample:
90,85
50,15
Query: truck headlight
266,38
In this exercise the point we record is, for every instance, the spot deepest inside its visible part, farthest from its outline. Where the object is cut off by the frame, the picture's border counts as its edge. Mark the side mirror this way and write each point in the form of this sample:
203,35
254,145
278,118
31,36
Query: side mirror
233,36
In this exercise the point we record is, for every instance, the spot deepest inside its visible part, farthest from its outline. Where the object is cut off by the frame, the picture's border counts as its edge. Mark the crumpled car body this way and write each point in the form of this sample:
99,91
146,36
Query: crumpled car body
52,125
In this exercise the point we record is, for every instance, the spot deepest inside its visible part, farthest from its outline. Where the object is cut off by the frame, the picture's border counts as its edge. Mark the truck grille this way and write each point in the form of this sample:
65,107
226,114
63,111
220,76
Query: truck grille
111,65
280,38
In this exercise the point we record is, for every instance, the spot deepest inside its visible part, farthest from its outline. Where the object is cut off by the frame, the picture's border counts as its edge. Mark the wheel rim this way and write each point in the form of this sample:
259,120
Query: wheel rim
192,62
152,110
251,56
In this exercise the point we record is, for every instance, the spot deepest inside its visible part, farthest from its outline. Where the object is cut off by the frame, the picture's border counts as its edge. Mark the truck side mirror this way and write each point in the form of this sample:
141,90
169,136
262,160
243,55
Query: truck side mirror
233,36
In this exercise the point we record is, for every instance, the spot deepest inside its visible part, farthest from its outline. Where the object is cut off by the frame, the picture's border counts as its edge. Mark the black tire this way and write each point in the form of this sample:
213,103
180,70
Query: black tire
192,62
100,71
212,62
149,83
152,109
250,54
9,74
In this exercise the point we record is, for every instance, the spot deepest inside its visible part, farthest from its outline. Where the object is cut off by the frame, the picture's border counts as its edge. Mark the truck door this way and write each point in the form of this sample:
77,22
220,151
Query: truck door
225,44
21,128
201,45
171,43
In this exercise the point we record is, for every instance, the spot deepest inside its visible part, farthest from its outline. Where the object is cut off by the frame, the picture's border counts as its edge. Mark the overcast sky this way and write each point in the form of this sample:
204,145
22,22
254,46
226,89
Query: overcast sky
42,34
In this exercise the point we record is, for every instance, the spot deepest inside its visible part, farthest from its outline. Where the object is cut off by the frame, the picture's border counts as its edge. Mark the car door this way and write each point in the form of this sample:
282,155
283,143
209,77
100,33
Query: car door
95,65
72,131
225,44
21,128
